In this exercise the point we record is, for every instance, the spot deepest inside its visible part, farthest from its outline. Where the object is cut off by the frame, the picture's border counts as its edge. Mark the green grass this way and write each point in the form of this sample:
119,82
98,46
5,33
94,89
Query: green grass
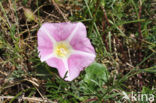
121,31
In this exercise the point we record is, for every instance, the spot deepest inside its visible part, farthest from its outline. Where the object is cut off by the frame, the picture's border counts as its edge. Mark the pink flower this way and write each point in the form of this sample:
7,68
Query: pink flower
65,46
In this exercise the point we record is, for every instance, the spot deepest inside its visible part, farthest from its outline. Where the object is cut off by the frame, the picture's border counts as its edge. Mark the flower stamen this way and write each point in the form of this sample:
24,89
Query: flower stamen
62,49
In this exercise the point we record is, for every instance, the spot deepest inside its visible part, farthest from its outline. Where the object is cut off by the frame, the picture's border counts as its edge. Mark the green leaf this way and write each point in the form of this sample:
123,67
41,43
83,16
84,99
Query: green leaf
96,75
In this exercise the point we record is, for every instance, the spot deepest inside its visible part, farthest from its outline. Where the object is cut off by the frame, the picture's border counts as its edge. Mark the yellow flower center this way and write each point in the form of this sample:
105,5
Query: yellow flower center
62,49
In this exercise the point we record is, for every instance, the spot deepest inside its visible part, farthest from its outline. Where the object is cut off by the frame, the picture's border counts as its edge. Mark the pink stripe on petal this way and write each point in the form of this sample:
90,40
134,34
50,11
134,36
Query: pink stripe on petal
77,63
45,46
80,41
82,44
58,64
60,31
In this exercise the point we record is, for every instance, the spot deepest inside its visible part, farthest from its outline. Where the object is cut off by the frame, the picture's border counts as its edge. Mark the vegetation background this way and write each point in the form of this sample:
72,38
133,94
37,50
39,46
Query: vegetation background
123,33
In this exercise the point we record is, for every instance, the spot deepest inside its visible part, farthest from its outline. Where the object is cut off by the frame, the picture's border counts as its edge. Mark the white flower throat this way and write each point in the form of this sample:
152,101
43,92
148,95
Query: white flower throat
62,49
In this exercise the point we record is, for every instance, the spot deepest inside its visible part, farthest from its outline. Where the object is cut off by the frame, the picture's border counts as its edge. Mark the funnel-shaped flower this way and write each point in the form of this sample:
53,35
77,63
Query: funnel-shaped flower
66,47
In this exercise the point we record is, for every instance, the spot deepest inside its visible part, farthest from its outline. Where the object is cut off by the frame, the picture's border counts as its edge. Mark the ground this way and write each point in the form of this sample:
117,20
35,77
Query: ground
123,33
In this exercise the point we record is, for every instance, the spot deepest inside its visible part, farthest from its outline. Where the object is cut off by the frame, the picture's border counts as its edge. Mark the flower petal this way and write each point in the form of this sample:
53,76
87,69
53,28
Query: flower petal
60,31
82,44
77,63
45,45
58,64
80,41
